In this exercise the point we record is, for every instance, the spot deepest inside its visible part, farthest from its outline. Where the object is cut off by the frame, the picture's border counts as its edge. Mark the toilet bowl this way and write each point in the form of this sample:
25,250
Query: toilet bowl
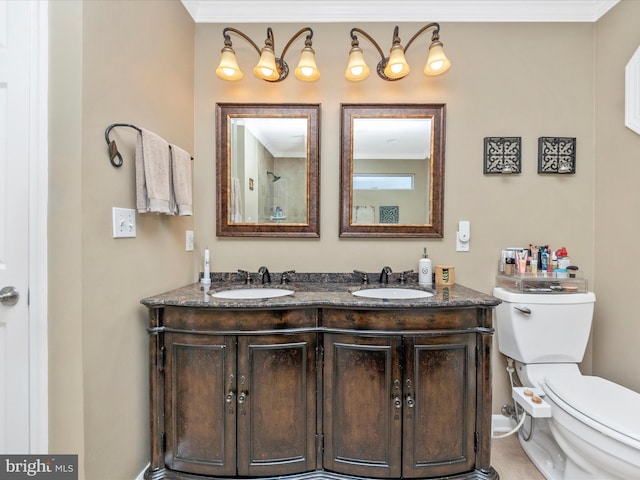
594,429
597,425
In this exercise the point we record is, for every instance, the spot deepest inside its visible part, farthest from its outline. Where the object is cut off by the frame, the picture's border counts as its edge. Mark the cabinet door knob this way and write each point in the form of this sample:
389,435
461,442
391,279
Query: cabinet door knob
410,401
242,397
397,402
229,397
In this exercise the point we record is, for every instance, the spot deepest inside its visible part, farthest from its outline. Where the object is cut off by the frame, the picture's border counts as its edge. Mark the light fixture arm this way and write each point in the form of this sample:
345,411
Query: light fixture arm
307,41
435,36
356,43
227,37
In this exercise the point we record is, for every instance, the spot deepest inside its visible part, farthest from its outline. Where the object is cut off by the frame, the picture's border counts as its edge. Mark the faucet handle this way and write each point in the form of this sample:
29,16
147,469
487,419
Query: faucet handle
364,277
403,275
247,276
286,276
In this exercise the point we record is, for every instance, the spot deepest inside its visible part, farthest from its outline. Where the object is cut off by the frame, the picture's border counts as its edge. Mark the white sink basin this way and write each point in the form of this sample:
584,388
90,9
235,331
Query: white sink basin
392,293
252,293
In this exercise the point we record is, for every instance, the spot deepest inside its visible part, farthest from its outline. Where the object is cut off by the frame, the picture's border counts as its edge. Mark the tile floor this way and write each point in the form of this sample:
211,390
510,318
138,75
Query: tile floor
510,461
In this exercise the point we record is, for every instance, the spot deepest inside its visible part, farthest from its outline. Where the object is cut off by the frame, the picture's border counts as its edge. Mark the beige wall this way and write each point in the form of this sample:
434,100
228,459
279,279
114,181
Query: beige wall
616,330
524,79
111,61
66,409
134,62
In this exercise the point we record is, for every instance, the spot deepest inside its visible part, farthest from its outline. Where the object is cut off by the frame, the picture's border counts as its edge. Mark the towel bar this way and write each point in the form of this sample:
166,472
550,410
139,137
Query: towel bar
114,155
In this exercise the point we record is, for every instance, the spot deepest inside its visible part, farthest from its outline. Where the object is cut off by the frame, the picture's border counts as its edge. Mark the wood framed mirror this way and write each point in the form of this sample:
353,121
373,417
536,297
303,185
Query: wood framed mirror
392,170
267,170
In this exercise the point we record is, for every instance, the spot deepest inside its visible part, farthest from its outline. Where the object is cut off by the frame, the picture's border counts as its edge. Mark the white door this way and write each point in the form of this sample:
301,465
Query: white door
18,19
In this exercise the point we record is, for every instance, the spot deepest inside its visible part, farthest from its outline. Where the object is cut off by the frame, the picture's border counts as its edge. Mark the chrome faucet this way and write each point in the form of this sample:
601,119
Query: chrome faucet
403,276
384,274
265,275
364,277
247,276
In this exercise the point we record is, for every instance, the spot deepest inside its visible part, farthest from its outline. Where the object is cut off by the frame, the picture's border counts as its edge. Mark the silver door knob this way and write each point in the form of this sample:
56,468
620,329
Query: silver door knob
9,296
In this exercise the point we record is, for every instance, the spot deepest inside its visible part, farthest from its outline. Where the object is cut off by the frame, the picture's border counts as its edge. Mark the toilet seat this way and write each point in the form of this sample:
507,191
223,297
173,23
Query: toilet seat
603,405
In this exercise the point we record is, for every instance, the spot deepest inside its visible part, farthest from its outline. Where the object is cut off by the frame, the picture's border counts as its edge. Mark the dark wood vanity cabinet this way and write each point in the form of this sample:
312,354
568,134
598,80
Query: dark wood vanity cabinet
240,405
237,404
320,393
399,406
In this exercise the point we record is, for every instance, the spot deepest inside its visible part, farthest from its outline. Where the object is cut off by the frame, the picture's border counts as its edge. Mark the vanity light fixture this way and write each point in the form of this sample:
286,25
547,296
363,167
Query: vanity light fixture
395,66
269,67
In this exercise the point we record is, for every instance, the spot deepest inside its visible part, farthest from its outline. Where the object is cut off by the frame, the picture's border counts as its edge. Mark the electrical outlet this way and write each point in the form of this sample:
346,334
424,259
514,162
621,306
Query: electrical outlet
189,241
124,222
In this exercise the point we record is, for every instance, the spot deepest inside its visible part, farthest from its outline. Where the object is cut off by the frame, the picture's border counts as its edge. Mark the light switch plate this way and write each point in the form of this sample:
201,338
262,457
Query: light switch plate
124,222
189,241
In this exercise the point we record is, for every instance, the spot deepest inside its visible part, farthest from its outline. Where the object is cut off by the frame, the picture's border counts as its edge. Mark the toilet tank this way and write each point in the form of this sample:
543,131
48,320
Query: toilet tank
543,328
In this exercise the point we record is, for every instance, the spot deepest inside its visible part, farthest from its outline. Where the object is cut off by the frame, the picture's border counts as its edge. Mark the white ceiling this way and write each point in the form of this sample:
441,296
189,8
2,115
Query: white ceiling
322,11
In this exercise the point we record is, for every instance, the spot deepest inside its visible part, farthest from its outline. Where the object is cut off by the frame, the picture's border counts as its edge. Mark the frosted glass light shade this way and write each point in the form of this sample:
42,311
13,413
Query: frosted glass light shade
266,67
437,62
307,70
397,66
357,68
228,68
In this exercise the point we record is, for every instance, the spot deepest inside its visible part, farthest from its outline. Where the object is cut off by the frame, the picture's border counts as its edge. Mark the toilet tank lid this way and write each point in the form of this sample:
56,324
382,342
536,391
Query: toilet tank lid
608,404
544,298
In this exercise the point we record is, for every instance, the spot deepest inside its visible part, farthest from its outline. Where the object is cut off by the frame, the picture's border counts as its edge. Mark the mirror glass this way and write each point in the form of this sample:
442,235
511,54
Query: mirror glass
267,175
392,170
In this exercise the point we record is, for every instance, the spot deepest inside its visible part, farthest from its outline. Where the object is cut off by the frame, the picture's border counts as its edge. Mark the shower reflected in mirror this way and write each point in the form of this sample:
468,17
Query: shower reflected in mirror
275,177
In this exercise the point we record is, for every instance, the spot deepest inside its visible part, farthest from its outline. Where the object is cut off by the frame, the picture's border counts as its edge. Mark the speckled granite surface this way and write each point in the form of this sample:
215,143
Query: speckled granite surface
318,289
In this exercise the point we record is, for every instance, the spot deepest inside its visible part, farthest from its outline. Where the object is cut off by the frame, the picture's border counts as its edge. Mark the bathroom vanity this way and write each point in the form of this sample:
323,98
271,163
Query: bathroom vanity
320,384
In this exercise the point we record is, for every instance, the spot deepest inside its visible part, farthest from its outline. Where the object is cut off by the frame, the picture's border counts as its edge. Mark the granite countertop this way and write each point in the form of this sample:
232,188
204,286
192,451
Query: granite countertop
318,290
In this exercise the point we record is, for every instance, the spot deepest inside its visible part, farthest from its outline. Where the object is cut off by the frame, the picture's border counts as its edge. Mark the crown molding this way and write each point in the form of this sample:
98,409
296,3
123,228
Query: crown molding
337,11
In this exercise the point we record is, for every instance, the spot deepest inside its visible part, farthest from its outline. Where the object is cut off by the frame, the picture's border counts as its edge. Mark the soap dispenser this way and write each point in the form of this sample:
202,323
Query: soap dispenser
425,271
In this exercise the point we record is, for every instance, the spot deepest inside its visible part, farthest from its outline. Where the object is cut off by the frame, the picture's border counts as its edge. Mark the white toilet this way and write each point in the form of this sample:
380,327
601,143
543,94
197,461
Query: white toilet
594,429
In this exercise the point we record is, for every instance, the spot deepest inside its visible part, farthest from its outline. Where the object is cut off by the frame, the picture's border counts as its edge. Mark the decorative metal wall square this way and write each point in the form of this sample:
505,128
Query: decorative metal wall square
502,155
556,155
389,214
364,214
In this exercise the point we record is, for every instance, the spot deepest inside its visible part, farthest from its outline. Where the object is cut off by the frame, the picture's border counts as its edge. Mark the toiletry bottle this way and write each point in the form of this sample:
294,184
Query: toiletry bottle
206,274
425,272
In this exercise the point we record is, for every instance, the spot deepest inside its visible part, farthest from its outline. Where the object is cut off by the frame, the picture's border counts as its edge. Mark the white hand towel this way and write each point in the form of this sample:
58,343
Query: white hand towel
236,201
182,198
153,181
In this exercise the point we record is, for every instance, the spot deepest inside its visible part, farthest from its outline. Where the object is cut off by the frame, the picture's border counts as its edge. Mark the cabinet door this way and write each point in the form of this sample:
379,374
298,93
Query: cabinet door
440,405
362,405
200,423
276,404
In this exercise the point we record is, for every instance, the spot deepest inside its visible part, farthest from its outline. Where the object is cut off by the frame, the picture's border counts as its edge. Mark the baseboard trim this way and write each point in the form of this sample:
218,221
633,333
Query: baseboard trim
500,423
141,474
